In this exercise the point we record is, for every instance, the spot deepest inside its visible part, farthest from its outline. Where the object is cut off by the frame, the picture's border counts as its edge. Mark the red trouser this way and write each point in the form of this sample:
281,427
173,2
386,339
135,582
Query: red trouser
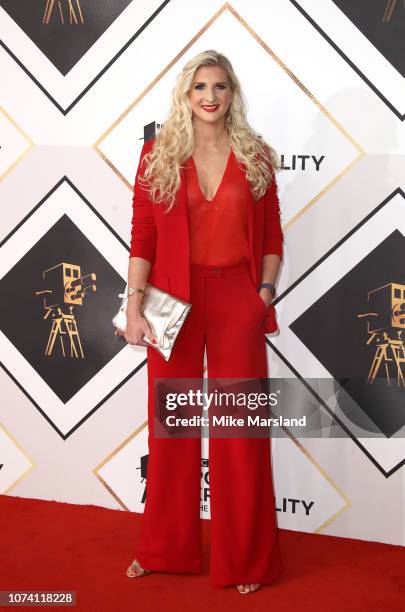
227,315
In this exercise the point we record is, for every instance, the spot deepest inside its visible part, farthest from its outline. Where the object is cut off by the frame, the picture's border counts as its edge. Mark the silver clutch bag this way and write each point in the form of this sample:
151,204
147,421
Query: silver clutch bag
164,313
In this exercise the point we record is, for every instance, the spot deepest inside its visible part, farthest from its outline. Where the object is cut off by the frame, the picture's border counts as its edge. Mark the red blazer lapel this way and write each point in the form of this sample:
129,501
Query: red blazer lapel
178,243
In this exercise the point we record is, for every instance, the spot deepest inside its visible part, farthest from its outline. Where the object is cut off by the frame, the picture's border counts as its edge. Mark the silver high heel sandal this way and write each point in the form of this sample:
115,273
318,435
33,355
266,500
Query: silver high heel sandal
135,570
250,588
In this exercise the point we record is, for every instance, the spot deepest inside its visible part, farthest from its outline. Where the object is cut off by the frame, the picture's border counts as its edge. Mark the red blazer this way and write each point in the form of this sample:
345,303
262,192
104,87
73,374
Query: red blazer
163,239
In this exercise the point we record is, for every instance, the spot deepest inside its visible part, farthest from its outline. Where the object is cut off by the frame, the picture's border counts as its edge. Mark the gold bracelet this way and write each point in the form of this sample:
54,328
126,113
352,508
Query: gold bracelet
132,290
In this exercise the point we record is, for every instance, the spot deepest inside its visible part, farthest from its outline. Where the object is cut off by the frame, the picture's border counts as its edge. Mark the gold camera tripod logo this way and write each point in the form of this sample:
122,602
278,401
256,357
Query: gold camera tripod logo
68,290
385,328
74,15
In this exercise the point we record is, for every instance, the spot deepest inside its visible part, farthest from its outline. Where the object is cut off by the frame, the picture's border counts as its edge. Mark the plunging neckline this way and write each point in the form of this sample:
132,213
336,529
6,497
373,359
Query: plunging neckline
221,181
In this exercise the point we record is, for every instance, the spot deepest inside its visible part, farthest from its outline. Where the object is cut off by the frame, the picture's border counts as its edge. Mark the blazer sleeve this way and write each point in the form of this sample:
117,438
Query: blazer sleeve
143,230
273,234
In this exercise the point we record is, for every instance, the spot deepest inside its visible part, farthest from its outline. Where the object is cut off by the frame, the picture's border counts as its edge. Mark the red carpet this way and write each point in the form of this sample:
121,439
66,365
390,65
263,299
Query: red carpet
48,545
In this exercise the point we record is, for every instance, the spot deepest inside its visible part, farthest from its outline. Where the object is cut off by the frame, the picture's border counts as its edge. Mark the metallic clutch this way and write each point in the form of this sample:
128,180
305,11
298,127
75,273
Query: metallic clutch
164,313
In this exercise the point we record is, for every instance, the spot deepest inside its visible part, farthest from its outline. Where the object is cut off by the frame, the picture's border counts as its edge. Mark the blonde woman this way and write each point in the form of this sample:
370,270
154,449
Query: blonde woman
206,228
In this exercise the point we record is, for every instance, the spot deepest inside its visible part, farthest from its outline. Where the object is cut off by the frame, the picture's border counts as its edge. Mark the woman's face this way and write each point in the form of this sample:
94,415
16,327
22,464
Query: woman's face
210,94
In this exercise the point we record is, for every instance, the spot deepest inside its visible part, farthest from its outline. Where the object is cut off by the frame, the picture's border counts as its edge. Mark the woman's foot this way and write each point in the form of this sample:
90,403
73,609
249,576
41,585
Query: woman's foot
135,570
247,588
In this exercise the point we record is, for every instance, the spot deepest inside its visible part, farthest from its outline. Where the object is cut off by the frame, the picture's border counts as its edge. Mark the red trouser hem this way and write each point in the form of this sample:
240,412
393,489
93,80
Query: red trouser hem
246,579
162,564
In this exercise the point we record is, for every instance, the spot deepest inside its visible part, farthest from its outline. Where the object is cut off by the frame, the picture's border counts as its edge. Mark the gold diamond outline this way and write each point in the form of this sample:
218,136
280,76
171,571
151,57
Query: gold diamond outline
25,454
110,456
25,136
329,479
293,77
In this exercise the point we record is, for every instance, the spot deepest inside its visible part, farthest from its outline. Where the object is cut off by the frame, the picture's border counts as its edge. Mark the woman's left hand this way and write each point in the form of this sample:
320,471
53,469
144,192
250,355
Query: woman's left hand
266,296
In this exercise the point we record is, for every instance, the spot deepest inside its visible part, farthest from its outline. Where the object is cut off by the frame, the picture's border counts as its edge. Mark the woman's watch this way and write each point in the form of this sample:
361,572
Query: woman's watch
269,286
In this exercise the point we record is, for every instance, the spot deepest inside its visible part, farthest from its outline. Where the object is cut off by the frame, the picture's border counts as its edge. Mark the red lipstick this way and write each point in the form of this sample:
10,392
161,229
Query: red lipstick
210,109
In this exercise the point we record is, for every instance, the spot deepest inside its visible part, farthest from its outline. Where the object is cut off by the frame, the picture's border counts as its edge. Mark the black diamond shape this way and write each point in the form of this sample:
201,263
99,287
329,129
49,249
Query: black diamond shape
64,43
383,23
22,310
333,332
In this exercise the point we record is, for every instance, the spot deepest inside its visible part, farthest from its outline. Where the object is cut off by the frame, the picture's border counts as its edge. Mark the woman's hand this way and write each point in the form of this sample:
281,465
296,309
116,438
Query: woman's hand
136,327
266,296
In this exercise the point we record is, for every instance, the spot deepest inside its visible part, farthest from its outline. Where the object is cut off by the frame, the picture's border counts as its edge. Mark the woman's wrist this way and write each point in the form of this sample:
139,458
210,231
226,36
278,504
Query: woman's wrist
266,295
134,303
270,286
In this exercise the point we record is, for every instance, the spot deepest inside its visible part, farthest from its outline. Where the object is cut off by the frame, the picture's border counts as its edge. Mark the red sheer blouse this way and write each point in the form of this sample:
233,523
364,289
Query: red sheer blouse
218,227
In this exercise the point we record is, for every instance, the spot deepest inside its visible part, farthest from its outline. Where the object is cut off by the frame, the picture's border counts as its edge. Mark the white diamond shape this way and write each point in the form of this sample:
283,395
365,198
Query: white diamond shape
14,461
14,143
127,486
299,477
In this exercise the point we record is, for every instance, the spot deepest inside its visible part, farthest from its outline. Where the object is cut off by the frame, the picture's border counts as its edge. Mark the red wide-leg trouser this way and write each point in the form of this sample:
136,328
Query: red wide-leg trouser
227,316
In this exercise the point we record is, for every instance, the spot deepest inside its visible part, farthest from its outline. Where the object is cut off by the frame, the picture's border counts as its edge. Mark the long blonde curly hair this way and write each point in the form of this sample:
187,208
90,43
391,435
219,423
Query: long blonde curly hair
174,142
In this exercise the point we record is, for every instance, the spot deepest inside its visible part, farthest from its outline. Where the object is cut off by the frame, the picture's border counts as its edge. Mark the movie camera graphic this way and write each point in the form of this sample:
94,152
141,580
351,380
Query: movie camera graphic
385,327
67,289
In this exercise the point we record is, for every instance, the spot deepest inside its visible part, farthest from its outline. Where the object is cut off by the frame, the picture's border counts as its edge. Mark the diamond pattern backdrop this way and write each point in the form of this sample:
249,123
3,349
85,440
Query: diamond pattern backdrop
84,84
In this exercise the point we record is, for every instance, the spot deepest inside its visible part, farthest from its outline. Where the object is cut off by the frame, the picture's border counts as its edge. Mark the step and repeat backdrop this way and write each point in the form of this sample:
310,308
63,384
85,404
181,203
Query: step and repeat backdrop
84,84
